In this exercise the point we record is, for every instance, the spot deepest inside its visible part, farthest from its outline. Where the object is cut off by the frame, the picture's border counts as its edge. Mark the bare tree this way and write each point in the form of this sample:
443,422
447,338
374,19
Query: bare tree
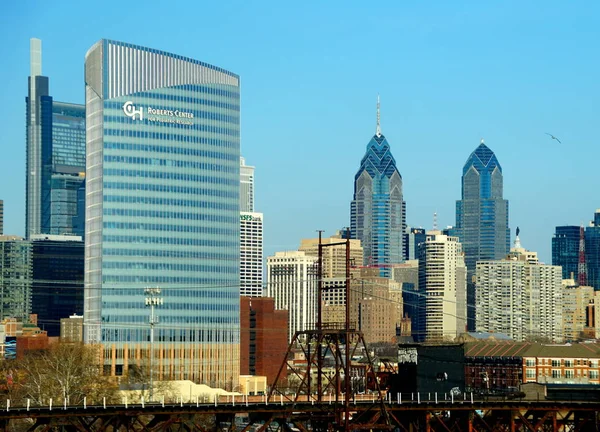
66,372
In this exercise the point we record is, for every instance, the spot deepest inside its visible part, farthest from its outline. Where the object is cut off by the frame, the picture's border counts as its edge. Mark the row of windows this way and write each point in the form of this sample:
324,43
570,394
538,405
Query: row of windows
172,96
119,119
171,149
167,215
169,228
170,163
170,176
171,202
164,279
163,253
171,267
168,241
205,288
131,335
214,307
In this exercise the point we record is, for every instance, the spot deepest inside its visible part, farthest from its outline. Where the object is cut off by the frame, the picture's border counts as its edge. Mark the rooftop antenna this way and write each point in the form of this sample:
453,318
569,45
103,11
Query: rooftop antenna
435,224
378,131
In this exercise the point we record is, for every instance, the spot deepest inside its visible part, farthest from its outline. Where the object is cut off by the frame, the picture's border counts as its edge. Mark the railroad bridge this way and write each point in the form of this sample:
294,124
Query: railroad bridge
270,415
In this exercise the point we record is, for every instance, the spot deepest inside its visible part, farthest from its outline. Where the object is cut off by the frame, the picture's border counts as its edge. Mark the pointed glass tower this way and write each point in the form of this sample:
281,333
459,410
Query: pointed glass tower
378,211
481,216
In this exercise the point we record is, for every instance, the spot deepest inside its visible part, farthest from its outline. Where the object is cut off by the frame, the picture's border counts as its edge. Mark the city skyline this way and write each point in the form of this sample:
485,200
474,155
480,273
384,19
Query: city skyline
463,85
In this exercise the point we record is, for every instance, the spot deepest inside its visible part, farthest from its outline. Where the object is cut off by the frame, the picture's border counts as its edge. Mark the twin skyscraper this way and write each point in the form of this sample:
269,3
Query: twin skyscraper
378,210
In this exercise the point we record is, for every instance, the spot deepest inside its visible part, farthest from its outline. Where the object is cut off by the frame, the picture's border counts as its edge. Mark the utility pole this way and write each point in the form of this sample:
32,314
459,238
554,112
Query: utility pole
153,299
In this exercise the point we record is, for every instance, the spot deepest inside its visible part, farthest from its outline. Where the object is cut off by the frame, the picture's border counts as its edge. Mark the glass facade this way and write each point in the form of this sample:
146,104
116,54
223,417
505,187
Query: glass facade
592,251
565,250
162,200
378,211
55,157
481,217
15,278
57,285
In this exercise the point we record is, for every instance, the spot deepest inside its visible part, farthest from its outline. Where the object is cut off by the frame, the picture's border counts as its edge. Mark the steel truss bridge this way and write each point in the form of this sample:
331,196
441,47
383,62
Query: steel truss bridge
281,416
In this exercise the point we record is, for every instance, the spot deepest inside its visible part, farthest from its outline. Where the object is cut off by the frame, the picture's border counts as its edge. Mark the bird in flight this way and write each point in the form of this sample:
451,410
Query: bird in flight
553,137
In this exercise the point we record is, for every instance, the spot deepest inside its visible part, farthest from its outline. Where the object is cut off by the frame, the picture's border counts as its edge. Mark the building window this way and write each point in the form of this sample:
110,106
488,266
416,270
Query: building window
556,373
569,373
530,362
568,363
593,374
555,363
530,373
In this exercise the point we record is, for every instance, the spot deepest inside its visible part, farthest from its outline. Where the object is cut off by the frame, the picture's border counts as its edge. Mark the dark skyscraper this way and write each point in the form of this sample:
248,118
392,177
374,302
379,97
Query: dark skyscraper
57,279
378,211
55,155
565,250
592,251
481,216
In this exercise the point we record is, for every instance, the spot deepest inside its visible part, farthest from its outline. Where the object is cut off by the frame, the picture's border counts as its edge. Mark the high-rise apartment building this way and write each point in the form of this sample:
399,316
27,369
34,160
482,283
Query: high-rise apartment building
251,254
575,301
565,250
162,211
334,257
592,251
375,304
378,210
55,156
519,297
440,298
481,216
292,282
246,186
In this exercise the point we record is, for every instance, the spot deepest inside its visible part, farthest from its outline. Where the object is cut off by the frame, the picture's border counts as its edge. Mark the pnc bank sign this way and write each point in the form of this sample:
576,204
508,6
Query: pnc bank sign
157,115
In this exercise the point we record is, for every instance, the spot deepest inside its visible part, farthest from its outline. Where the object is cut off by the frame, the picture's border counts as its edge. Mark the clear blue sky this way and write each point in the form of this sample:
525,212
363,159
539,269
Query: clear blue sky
448,73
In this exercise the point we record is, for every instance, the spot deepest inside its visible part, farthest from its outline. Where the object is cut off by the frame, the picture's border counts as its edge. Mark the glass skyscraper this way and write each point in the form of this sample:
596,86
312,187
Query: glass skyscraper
481,217
162,210
55,156
592,251
378,211
565,250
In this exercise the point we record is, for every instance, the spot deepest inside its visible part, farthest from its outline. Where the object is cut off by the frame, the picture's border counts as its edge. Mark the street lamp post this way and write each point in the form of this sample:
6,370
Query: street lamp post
153,299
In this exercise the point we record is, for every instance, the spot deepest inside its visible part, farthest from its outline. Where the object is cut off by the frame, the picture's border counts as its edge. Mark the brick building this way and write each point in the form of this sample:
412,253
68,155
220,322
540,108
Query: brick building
499,366
263,337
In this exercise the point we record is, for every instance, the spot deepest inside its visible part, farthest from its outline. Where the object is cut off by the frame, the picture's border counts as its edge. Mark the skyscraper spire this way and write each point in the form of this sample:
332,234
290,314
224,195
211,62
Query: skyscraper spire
378,131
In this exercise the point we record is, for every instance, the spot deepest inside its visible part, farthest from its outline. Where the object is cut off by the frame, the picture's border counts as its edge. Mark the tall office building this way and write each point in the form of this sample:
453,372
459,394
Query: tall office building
57,279
441,291
292,282
481,216
565,250
15,278
162,210
246,186
378,211
55,156
251,254
519,297
251,236
412,238
592,251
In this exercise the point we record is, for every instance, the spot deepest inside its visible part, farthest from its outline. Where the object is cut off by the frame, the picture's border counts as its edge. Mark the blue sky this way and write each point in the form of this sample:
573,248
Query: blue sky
449,73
